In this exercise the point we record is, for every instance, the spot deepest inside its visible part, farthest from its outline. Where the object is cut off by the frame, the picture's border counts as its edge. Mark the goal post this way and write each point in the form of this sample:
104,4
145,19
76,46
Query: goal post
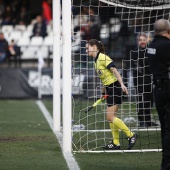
56,68
67,82
63,35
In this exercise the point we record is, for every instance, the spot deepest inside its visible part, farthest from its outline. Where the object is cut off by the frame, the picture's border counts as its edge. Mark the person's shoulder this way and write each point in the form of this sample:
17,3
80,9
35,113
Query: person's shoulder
160,41
103,55
161,38
104,59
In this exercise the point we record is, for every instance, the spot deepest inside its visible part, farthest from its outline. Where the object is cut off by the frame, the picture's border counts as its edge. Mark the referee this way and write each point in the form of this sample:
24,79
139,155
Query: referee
113,87
158,54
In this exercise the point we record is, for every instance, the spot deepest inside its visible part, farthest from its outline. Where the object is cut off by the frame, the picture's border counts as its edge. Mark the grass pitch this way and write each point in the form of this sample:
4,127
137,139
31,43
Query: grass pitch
27,143
26,140
116,161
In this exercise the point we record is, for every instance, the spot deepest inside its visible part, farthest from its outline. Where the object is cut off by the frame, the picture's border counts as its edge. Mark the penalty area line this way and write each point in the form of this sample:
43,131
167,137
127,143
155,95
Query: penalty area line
72,164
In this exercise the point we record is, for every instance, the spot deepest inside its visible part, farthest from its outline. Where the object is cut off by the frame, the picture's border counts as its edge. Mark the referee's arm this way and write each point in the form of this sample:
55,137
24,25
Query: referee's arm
119,78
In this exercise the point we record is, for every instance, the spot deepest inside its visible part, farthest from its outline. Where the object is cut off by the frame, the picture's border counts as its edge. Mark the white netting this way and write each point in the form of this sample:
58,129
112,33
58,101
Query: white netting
115,23
139,4
140,14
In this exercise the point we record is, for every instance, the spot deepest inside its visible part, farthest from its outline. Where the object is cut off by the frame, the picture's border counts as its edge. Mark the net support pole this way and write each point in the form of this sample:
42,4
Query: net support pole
56,66
66,33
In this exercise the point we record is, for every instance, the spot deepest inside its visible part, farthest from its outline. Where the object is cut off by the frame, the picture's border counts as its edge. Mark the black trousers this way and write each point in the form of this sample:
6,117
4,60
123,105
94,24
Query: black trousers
162,101
144,99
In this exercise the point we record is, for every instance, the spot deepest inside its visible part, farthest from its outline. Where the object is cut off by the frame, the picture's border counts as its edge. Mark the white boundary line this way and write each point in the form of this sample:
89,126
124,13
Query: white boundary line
72,164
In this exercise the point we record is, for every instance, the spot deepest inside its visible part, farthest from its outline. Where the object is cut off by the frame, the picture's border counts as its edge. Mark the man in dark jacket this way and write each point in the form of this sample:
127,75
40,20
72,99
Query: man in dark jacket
14,53
40,28
158,54
142,81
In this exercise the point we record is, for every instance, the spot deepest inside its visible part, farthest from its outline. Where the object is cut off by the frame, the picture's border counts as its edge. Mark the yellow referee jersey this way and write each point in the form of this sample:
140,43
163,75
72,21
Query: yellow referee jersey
102,64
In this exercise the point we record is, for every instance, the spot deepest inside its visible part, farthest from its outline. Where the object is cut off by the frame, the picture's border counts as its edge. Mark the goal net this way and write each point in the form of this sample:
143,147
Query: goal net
116,23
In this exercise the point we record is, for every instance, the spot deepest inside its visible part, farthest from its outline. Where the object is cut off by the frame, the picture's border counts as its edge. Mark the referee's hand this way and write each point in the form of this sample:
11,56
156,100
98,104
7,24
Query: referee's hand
103,96
124,88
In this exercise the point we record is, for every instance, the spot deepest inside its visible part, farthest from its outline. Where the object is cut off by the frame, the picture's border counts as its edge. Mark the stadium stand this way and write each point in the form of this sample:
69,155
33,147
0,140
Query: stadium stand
21,33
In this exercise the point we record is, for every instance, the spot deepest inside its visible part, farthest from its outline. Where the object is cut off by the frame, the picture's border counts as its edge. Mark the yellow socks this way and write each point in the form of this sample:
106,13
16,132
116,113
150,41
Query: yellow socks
115,133
119,124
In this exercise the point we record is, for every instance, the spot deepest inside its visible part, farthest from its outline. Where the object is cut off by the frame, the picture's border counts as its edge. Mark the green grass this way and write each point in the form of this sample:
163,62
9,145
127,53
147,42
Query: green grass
117,161
26,140
28,143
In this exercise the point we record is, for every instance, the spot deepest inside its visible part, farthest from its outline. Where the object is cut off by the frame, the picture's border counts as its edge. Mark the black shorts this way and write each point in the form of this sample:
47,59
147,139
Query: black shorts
114,92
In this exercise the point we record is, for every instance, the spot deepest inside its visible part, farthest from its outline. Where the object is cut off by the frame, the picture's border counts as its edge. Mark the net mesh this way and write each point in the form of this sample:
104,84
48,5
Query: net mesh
141,14
116,24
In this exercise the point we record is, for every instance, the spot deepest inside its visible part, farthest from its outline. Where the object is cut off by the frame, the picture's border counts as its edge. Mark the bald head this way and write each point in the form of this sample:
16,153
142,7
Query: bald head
161,26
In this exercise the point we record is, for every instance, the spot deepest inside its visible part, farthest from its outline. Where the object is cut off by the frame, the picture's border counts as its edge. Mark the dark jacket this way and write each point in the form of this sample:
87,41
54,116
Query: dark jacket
141,67
3,46
159,57
40,29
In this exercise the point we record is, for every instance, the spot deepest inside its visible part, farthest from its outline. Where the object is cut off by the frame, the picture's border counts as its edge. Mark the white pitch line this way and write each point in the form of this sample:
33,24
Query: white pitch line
45,113
72,164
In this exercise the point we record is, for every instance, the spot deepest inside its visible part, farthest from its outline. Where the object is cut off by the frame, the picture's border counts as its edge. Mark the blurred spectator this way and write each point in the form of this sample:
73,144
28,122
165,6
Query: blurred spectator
81,18
2,7
124,31
15,6
47,10
106,12
3,47
25,3
138,22
90,31
40,27
94,17
23,17
7,16
89,25
14,53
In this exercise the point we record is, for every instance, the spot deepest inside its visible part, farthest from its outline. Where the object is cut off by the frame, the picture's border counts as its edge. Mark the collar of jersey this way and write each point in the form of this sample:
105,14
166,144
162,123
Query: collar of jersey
97,57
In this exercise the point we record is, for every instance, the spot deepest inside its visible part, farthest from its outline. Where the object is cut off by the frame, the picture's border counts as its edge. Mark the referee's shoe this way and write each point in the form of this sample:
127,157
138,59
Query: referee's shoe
111,146
132,141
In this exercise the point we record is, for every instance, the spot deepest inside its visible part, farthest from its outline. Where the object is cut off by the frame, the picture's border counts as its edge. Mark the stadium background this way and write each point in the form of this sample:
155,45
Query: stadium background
20,29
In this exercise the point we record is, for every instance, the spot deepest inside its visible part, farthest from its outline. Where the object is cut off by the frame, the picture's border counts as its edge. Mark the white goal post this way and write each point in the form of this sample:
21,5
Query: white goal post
65,35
